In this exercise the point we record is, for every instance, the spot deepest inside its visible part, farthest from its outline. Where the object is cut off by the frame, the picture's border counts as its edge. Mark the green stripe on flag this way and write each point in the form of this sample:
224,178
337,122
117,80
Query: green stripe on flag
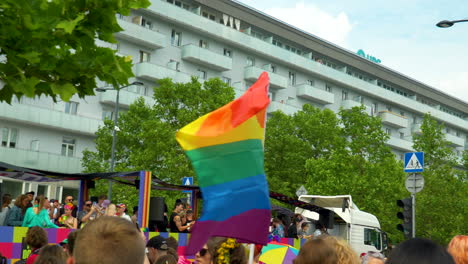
227,162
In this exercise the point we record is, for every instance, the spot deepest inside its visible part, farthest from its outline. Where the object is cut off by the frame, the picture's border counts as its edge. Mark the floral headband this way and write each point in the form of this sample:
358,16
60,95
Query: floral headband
224,251
69,206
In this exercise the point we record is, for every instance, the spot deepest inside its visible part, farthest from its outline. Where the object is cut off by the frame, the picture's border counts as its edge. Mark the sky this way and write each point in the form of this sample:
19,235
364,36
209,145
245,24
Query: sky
401,33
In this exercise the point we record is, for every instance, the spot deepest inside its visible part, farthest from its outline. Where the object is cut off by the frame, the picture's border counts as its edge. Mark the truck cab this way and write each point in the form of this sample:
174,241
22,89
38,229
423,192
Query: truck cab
360,229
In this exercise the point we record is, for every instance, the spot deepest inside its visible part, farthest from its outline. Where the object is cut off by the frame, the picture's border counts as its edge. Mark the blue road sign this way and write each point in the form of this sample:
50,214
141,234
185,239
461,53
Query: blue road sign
414,162
187,181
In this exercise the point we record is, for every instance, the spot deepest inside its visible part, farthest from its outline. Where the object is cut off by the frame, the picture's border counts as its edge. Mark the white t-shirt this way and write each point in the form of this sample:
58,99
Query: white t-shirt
126,216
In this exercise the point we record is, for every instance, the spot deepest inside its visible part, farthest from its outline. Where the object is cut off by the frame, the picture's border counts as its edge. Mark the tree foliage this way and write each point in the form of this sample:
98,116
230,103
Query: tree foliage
48,47
441,207
146,136
335,154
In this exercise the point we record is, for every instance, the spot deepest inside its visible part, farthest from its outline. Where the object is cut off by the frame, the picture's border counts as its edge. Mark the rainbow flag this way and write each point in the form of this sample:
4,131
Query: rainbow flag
226,150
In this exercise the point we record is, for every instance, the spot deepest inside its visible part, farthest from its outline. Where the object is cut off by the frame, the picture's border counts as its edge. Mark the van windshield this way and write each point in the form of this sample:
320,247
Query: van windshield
372,238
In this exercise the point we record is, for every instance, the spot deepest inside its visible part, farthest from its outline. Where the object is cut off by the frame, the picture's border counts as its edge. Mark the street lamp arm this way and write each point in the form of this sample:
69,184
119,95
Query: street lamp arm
449,23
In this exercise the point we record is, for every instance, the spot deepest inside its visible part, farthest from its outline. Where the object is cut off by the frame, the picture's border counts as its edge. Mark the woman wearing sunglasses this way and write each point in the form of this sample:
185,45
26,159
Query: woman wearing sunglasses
221,250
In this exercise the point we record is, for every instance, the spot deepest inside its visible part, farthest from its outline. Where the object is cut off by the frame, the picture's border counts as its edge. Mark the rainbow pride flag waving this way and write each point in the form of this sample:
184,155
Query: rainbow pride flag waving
226,150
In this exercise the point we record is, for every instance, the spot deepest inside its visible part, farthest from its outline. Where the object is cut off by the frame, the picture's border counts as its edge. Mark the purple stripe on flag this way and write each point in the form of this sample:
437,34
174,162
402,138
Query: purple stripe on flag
250,224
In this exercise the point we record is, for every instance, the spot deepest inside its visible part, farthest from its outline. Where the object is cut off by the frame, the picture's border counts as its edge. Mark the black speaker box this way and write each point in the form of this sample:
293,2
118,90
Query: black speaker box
156,209
326,218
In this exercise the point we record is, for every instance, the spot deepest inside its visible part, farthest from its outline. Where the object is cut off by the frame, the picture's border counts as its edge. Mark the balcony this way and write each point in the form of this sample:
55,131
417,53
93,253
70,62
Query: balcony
314,94
153,72
416,129
40,160
400,144
392,119
206,58
44,117
140,35
251,73
454,140
125,99
348,104
287,109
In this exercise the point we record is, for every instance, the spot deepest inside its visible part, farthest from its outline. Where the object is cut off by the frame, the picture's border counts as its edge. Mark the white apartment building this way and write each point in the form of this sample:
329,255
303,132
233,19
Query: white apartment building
229,40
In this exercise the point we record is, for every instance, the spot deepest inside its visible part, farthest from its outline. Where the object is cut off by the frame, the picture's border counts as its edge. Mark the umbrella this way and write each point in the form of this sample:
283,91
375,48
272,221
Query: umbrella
278,253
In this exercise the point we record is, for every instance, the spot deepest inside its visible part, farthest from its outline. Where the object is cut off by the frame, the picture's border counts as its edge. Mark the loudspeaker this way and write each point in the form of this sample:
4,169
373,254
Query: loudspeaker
137,184
326,218
156,209
90,184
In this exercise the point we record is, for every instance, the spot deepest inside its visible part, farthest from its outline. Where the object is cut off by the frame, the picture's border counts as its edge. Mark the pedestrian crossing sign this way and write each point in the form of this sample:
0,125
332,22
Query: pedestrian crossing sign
414,162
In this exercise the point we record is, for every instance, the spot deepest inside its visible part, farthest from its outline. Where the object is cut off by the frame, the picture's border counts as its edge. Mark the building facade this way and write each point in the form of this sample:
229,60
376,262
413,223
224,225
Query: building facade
231,41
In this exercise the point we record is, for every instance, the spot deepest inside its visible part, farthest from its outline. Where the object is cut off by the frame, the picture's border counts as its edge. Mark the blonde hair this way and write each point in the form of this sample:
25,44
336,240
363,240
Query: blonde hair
109,240
326,250
111,210
458,248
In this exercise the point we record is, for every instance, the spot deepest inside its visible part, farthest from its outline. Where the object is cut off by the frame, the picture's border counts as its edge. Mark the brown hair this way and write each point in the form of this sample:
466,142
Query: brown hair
172,252
237,255
51,254
71,239
458,248
40,202
166,259
36,237
172,243
109,240
326,250
19,202
6,200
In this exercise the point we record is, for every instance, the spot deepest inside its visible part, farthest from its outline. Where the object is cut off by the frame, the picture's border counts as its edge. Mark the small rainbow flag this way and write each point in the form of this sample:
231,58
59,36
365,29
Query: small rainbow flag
226,150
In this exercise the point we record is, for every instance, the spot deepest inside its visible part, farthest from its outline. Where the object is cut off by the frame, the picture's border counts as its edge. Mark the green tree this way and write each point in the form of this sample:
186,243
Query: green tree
146,136
441,207
49,47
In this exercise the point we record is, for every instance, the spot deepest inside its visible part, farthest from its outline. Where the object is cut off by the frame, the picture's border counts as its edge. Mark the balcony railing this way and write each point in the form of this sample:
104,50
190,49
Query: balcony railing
206,58
44,117
251,73
140,35
455,141
285,108
348,104
40,160
154,72
392,119
125,99
400,144
314,94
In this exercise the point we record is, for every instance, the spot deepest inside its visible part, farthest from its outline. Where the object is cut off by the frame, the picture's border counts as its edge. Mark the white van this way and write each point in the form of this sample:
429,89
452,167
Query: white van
360,229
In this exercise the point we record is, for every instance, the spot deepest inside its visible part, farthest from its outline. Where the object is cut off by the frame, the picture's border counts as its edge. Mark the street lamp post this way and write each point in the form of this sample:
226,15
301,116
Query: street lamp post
449,23
114,130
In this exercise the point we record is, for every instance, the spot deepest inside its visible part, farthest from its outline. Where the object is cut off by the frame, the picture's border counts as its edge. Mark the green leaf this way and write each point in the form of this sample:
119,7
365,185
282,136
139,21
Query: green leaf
66,91
69,26
32,57
26,86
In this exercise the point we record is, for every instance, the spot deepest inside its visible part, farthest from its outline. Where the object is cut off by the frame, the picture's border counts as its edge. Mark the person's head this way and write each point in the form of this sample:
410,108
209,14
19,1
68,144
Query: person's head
326,250
68,199
189,214
172,243
135,210
71,239
68,209
319,226
205,255
166,259
419,250
276,222
111,210
458,248
179,207
109,240
121,208
30,196
46,203
373,257
55,203
22,202
101,198
40,200
87,205
305,227
6,200
172,252
51,254
36,237
157,247
236,255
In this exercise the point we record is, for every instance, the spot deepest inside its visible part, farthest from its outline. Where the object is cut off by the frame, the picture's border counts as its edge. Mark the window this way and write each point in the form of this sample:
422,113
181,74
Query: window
42,189
374,108
144,56
457,133
402,113
178,3
372,238
9,137
34,145
415,120
107,115
71,108
227,53
14,188
201,74
328,88
273,68
203,43
176,38
250,61
402,135
447,130
227,80
388,131
173,64
311,82
209,16
389,108
146,24
185,6
68,146
292,78
344,95
271,96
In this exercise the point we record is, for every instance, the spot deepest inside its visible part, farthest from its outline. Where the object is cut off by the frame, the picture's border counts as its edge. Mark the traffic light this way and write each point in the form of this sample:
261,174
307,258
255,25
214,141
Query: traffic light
407,216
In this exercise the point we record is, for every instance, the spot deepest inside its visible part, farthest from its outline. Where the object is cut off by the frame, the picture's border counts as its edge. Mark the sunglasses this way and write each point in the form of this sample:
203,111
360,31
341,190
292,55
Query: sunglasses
88,204
70,200
203,252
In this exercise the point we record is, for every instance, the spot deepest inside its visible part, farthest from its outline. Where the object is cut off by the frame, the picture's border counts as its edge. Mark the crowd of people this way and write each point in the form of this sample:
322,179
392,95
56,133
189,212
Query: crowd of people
29,210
